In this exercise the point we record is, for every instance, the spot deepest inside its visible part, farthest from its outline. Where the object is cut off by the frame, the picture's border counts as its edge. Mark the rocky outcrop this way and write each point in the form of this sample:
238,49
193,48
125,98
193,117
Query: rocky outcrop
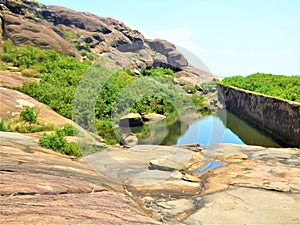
13,102
23,31
167,55
59,28
39,186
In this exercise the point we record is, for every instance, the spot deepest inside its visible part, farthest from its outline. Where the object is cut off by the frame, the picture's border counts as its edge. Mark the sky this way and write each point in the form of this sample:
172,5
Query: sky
228,37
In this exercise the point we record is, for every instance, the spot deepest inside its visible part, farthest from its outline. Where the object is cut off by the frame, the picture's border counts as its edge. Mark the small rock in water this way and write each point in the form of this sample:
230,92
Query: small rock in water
128,140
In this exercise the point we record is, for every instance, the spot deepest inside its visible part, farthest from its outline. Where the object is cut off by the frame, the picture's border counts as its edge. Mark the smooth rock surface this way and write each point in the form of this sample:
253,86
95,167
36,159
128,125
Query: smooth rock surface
39,186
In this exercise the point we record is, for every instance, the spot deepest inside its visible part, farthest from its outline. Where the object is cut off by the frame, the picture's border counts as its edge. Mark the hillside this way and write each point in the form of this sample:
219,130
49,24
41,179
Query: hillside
83,35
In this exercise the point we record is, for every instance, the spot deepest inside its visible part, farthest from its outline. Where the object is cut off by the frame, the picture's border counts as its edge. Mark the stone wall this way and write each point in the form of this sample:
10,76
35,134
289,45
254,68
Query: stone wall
279,118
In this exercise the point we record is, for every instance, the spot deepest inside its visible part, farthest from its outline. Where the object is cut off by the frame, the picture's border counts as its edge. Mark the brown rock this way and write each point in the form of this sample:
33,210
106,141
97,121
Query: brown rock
22,31
40,186
153,117
131,120
128,140
13,102
13,79
174,59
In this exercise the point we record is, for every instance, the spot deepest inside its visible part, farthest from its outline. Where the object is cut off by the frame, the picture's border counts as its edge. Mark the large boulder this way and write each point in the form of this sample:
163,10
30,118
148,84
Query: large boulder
175,59
131,120
22,31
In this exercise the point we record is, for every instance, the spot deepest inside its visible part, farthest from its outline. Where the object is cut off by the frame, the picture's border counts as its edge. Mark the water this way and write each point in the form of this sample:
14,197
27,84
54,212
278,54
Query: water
224,127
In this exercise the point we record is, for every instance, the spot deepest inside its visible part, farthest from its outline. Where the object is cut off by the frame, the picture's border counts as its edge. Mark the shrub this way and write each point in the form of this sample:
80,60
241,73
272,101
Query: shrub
280,86
3,125
69,130
53,141
72,149
56,141
190,90
29,115
29,72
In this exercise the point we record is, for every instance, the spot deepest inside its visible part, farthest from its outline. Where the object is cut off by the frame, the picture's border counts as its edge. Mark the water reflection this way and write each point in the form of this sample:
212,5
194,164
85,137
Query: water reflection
224,127
209,130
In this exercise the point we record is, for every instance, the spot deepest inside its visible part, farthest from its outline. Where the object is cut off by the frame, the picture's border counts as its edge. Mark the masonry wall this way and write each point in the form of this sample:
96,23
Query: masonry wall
277,117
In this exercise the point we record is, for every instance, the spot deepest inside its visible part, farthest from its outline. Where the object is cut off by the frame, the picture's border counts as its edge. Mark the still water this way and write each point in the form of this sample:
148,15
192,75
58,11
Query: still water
224,127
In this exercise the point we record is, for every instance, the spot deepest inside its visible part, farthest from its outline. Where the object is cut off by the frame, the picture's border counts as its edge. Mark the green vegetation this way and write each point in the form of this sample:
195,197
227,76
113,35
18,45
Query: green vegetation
56,141
116,92
29,114
190,90
27,123
280,86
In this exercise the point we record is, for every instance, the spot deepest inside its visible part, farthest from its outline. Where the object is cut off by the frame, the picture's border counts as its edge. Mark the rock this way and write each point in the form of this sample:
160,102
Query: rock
13,68
129,140
170,163
232,157
59,28
190,178
34,181
153,117
136,72
21,31
247,206
178,206
131,120
174,59
13,102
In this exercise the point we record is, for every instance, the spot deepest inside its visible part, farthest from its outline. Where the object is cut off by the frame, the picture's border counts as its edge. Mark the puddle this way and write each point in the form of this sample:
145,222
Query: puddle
210,166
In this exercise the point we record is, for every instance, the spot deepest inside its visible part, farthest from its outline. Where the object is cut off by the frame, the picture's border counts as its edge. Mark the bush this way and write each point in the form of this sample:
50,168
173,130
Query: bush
280,86
29,72
56,141
72,149
29,115
69,130
190,90
3,125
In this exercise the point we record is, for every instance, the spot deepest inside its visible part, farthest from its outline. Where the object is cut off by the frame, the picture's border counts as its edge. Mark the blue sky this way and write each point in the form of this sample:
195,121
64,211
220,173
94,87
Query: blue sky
232,37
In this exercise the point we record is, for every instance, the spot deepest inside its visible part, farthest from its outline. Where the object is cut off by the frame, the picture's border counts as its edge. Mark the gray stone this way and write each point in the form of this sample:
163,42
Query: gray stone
129,140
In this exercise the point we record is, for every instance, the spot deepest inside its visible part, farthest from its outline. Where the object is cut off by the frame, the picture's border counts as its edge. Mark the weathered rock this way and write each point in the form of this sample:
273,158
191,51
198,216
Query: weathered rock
188,177
13,102
21,31
59,28
129,140
247,206
40,186
131,120
152,117
14,79
172,58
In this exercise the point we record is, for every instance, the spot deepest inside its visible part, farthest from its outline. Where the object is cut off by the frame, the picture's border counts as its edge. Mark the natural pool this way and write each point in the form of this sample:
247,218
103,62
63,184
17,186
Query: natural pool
223,127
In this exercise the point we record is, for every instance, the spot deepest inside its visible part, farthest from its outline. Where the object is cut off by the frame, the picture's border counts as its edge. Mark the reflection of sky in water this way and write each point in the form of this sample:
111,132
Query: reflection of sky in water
209,130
